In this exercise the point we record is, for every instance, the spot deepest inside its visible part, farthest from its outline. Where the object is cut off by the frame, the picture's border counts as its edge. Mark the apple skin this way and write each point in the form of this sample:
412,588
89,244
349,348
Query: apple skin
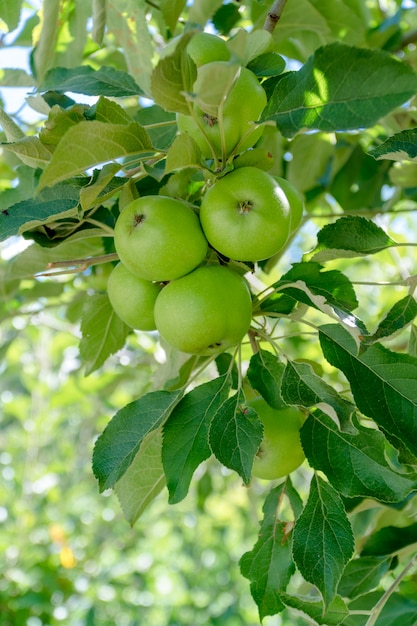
159,238
280,452
243,105
246,215
205,312
207,48
132,298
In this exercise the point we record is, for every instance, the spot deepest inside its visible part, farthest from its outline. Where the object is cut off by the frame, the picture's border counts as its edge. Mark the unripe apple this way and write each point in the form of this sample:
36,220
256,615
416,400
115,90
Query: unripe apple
280,452
132,298
205,312
207,48
246,215
159,238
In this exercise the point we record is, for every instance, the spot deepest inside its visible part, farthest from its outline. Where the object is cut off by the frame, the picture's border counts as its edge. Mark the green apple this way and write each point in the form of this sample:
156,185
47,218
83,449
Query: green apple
280,452
206,48
296,202
246,215
243,106
159,238
132,298
205,312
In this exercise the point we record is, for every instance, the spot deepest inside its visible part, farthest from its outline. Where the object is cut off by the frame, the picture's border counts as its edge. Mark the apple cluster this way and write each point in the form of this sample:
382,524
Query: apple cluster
177,272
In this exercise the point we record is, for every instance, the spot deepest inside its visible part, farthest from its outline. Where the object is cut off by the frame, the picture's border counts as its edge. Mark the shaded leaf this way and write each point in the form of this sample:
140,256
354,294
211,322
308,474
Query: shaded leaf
323,539
398,317
335,613
185,434
350,237
172,78
143,480
269,565
399,610
116,448
390,540
265,373
55,202
106,81
400,147
361,456
302,387
362,575
103,332
235,436
383,383
340,88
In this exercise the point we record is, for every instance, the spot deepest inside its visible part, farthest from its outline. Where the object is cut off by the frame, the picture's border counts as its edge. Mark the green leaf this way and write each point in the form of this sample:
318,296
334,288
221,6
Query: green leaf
383,383
171,11
399,610
235,436
400,147
390,540
53,203
363,574
361,456
103,332
268,64
92,143
340,88
269,565
110,112
398,317
127,23
174,77
116,448
349,237
185,434
30,150
10,12
143,480
302,387
43,56
165,128
336,612
323,539
59,122
310,284
12,130
184,152
12,77
106,81
265,373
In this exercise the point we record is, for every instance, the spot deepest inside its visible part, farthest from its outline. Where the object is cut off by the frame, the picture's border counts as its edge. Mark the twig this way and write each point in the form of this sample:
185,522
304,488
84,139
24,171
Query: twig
274,14
74,266
376,611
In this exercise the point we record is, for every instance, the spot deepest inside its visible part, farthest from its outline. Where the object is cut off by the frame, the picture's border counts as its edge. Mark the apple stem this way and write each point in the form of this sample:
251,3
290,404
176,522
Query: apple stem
274,15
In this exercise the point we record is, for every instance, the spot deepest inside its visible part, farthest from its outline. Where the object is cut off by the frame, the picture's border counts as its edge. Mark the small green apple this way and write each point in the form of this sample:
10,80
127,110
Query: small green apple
159,238
246,215
207,48
280,452
205,312
132,298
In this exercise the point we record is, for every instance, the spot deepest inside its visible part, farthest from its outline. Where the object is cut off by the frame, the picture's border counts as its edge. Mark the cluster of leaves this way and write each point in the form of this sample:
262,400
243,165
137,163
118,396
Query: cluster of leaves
357,162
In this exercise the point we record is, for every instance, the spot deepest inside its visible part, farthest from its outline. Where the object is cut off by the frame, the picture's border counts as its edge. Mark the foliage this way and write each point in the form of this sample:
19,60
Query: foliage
332,328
